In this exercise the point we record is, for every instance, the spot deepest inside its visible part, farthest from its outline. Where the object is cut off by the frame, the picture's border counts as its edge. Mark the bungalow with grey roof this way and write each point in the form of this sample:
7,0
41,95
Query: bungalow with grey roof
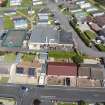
44,36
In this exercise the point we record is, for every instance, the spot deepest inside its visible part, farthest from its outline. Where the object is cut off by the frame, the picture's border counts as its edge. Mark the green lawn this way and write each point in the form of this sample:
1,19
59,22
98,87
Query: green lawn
26,3
4,80
100,47
62,103
28,57
61,54
8,23
24,11
91,35
9,57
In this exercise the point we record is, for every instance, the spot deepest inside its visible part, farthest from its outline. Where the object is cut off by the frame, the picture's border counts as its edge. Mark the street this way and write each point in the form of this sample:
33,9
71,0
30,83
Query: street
47,94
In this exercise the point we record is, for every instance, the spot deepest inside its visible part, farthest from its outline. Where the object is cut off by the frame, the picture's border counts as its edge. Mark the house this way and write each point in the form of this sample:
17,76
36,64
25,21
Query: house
84,72
97,13
59,1
15,2
25,71
85,5
89,19
61,69
20,22
80,2
86,83
100,20
10,12
75,8
97,73
43,37
60,73
90,75
43,16
89,9
94,26
37,2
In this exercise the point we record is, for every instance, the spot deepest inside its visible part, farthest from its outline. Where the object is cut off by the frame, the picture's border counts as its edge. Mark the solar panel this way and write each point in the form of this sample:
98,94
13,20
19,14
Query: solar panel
31,71
20,70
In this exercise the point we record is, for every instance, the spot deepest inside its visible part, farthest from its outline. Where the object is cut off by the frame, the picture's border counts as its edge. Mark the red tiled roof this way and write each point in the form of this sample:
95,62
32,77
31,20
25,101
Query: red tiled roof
100,20
65,69
95,27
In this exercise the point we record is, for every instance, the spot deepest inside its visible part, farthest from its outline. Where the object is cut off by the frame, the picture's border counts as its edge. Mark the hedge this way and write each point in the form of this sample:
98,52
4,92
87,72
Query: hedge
81,35
100,47
91,35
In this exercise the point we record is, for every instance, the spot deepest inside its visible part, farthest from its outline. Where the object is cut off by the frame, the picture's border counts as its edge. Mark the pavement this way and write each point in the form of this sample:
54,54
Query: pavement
66,26
47,94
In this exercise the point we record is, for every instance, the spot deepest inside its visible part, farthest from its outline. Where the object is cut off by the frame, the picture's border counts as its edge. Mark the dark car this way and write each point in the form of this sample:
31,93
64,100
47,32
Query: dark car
24,88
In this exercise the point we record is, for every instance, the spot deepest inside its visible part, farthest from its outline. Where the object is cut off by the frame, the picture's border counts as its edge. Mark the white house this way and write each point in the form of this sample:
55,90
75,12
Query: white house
37,2
80,2
15,2
85,5
89,9
97,13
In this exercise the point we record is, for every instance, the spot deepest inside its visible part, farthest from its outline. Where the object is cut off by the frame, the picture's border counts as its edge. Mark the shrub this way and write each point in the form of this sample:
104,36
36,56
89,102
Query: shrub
100,47
81,35
91,35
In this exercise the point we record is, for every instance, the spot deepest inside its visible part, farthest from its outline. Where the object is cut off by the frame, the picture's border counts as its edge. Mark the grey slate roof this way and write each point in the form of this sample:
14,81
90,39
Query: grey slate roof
65,37
43,34
97,73
84,71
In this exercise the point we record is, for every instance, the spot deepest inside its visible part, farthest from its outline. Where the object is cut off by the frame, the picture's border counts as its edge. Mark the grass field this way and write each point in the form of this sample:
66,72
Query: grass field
26,3
62,103
28,57
4,80
8,23
9,57
61,54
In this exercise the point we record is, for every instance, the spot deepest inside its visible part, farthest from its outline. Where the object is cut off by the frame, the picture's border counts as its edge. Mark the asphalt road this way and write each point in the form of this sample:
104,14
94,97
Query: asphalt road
47,94
66,26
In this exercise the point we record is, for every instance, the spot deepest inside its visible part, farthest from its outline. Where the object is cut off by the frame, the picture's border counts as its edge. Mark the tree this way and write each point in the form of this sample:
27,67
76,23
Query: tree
77,59
81,102
36,102
1,103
